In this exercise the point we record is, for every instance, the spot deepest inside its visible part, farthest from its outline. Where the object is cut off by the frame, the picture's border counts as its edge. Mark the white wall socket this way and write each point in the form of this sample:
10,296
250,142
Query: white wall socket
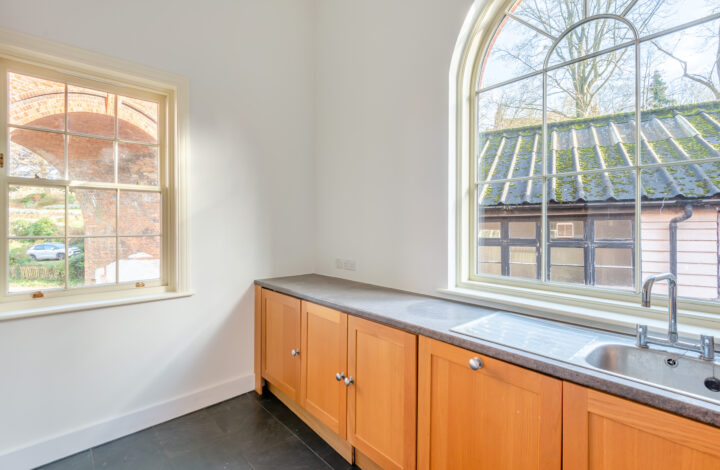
346,264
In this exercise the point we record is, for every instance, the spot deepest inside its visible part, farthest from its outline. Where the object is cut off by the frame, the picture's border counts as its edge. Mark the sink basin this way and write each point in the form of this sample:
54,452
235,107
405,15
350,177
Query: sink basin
674,370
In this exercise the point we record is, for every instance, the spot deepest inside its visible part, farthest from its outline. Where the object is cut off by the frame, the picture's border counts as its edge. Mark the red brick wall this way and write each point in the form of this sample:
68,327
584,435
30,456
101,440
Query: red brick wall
92,160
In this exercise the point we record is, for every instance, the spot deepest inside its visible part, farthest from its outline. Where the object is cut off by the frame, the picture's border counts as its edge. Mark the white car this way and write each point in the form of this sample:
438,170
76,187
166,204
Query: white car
43,251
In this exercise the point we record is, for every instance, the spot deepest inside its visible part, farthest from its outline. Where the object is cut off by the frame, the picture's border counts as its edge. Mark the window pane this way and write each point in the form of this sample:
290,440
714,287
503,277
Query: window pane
137,120
91,159
36,211
36,154
608,229
523,262
489,230
523,254
594,36
499,110
527,271
604,202
685,193
139,258
550,17
614,277
613,257
36,102
138,164
572,274
489,253
563,255
92,211
567,229
591,108
91,112
140,213
36,264
490,268
674,131
523,230
595,189
93,262
652,16
517,50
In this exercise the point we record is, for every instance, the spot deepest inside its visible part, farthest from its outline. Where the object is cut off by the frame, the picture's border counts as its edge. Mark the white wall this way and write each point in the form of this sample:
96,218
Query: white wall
250,65
382,140
332,111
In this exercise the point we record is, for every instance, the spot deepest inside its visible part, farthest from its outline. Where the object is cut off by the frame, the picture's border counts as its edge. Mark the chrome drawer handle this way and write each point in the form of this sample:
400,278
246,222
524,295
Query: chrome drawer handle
349,381
339,376
475,363
295,352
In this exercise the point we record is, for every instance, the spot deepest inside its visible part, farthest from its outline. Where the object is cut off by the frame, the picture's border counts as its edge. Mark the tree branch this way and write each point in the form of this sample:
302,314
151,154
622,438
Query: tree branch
694,77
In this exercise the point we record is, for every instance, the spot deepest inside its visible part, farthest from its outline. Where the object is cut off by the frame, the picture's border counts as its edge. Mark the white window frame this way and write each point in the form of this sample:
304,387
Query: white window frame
38,57
587,305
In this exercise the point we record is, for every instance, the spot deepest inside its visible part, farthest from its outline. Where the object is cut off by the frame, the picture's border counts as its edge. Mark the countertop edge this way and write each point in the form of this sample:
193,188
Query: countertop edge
659,398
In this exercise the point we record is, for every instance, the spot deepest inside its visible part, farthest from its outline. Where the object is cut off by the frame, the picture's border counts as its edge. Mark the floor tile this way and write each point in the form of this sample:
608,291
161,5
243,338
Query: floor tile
248,432
289,455
236,416
139,451
336,462
187,433
222,454
81,461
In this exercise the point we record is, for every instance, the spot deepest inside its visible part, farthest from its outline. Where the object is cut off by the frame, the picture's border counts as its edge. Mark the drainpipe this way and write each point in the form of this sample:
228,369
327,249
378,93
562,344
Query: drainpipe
673,236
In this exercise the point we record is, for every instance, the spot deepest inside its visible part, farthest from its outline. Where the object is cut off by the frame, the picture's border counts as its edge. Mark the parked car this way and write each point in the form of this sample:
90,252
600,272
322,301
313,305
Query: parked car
43,251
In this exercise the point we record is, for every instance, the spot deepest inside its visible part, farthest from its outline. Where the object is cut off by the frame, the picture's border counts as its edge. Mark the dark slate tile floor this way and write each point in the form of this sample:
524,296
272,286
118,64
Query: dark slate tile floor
249,432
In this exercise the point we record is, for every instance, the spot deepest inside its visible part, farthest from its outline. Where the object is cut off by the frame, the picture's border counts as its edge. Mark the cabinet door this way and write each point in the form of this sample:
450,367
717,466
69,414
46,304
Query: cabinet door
606,432
281,342
382,362
324,346
499,416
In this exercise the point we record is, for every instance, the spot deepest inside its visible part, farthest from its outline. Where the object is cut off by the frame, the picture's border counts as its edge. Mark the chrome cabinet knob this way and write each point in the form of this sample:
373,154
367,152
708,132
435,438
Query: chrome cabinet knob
349,381
295,352
339,376
475,363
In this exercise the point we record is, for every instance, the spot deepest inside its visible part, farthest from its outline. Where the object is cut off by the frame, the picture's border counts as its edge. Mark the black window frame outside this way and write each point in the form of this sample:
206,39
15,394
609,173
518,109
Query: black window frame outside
589,243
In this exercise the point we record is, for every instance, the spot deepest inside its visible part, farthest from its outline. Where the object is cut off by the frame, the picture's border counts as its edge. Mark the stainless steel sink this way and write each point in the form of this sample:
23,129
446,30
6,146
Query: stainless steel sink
668,368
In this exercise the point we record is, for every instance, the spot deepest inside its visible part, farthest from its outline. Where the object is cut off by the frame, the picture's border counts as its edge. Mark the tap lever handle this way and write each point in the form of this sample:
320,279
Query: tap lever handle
641,335
707,347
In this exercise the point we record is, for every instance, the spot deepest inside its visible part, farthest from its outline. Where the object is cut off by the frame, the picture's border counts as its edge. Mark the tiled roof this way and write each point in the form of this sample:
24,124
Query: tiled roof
674,134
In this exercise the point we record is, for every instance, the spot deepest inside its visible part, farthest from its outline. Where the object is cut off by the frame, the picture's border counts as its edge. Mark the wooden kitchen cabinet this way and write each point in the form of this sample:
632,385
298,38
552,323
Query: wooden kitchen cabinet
382,363
498,416
324,346
281,351
604,432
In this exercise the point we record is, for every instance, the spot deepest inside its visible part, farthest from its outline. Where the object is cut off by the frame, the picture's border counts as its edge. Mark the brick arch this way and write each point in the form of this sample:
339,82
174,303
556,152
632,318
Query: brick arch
49,148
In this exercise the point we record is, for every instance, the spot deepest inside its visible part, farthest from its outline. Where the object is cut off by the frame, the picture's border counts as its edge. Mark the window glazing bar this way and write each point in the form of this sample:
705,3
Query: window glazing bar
531,26
628,8
80,134
20,181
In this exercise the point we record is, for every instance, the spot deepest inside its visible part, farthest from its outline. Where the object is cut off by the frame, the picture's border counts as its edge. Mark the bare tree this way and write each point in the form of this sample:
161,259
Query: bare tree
584,83
710,79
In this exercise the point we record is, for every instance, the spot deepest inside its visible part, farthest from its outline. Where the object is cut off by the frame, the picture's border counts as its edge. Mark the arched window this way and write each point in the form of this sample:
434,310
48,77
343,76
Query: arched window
589,146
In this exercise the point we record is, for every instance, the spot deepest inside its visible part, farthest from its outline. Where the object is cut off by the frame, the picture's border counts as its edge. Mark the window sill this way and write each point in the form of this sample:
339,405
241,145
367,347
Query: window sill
609,315
14,311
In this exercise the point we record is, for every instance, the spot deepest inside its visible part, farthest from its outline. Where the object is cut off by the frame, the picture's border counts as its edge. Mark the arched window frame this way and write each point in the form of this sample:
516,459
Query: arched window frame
581,304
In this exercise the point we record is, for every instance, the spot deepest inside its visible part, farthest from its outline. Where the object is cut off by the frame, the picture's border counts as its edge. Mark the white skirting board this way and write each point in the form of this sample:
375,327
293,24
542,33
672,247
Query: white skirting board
63,445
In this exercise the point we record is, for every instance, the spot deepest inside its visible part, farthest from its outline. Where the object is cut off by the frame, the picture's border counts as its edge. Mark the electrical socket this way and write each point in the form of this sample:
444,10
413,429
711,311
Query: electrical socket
350,265
338,263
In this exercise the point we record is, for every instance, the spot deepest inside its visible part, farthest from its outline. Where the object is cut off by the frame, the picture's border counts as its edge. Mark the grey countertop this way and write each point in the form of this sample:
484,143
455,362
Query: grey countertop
436,318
